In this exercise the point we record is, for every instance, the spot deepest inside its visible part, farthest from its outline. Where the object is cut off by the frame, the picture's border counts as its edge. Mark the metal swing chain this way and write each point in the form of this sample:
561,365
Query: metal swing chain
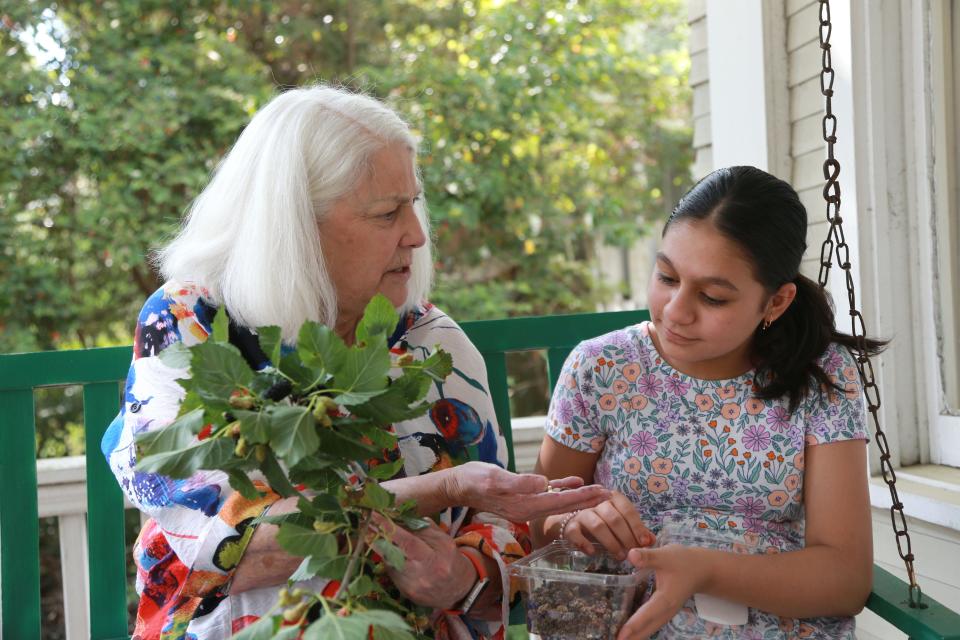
831,193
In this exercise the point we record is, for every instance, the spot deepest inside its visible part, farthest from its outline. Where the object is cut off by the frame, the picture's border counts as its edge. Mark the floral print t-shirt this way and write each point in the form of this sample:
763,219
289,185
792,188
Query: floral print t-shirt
199,527
705,456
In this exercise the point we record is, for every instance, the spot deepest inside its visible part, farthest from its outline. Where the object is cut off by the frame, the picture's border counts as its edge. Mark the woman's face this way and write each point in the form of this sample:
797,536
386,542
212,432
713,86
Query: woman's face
369,235
706,303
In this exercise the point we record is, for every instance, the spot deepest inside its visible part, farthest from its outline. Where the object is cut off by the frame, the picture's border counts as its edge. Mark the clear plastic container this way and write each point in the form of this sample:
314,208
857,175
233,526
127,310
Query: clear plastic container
570,595
704,615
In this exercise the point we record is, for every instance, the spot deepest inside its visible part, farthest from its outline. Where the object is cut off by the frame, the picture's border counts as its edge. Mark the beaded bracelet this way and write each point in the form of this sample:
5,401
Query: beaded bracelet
563,523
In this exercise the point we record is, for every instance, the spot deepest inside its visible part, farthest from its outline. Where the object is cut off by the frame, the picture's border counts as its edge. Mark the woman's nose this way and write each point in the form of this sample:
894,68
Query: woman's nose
413,235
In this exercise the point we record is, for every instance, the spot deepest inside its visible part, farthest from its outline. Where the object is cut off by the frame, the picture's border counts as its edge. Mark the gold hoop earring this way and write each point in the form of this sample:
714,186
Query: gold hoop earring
766,325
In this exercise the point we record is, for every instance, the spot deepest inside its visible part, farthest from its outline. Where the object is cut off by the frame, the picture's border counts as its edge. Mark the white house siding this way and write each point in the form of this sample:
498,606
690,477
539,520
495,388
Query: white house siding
806,112
700,85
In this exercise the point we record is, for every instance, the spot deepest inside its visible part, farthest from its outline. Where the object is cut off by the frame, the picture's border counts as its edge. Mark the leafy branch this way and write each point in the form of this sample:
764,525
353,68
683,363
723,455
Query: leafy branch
314,423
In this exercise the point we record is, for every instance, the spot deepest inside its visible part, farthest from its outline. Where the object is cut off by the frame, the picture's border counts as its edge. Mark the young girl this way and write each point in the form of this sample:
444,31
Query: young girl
737,413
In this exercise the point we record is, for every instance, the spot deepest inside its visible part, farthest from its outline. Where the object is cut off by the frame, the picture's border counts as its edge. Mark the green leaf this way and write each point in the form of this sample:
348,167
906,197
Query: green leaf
262,629
387,624
293,433
390,553
352,398
254,425
319,347
176,356
337,628
270,342
438,365
182,463
276,477
264,380
375,496
287,633
177,435
241,482
345,447
301,541
396,404
221,326
304,572
386,470
364,368
217,370
378,318
303,376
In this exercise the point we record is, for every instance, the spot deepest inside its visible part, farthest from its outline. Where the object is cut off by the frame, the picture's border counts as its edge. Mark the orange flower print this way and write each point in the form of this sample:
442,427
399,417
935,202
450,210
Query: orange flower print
851,390
805,630
638,402
631,371
850,373
798,461
703,402
657,484
597,444
635,485
625,405
663,466
620,386
792,481
751,538
631,465
754,406
778,498
727,392
570,382
730,411
810,440
608,402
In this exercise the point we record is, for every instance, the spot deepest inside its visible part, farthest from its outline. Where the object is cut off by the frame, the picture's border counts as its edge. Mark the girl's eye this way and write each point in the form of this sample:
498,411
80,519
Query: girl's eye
665,279
712,301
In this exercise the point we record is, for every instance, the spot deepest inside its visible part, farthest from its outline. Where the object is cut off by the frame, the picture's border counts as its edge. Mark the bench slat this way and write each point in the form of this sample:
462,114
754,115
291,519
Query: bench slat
105,535
19,522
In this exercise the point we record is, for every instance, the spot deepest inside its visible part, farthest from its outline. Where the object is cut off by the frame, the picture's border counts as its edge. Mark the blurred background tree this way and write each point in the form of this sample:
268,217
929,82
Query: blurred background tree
546,126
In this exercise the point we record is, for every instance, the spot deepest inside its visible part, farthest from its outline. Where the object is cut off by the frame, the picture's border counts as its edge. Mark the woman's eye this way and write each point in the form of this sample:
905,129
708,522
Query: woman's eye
665,279
713,301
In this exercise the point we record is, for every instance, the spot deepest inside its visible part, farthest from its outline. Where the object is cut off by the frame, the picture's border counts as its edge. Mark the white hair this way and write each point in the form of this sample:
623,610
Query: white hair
251,237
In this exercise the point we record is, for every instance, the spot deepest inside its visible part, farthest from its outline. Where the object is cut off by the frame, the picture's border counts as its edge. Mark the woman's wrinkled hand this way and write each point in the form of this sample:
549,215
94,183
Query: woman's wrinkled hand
518,497
435,574
614,524
678,574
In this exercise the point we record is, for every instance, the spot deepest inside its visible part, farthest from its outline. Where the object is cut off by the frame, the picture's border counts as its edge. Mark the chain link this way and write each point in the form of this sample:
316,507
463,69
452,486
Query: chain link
836,244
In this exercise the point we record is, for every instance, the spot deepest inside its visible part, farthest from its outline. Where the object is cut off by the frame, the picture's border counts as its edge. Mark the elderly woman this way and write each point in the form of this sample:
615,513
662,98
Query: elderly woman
316,209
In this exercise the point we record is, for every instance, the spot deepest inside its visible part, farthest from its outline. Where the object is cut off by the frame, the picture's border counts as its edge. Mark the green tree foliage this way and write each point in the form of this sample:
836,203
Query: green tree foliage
545,127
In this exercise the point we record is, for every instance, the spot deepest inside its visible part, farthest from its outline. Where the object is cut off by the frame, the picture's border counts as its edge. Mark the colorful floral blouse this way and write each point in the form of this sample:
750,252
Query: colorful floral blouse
199,528
704,456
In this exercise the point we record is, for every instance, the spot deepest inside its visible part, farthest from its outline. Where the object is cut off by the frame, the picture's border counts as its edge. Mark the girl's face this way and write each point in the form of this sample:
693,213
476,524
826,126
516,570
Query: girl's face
706,303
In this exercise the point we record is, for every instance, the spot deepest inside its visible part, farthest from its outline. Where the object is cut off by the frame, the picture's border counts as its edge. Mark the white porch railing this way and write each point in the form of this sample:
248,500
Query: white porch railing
62,493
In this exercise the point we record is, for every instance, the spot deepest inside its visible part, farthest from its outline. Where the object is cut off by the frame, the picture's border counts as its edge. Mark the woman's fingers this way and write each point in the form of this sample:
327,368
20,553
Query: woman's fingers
570,482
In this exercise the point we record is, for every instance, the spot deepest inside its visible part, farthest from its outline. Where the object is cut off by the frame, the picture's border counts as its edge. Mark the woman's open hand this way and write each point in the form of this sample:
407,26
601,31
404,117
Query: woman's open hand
518,497
614,524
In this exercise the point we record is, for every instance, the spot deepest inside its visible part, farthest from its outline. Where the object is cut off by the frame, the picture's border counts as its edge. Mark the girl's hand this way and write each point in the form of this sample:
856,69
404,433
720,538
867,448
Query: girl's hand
518,497
679,572
615,524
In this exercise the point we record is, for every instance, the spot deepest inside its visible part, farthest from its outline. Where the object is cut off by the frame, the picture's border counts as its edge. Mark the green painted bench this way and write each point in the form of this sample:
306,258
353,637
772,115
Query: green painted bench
99,371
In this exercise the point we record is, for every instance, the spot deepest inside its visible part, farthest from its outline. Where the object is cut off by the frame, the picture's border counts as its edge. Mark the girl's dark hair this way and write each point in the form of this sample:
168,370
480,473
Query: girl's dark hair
764,216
